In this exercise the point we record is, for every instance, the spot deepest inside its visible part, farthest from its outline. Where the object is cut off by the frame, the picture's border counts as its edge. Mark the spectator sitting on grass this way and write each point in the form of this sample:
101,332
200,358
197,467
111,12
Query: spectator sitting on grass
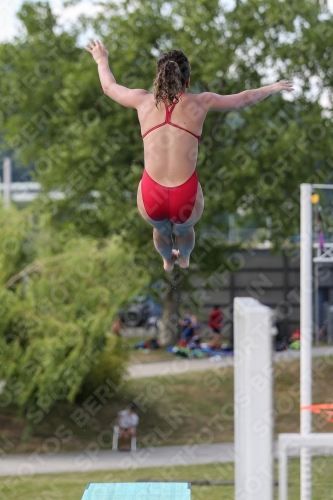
195,340
192,330
185,320
128,421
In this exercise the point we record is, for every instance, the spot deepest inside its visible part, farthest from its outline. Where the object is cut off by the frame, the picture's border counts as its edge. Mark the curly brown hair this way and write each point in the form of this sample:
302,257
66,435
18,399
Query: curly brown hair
172,72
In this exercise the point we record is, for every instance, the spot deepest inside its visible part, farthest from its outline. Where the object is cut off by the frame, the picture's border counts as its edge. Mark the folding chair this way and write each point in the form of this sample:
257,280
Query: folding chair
116,438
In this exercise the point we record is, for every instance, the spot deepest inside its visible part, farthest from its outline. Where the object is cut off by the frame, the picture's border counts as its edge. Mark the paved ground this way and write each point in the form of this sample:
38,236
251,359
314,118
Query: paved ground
183,365
87,461
110,460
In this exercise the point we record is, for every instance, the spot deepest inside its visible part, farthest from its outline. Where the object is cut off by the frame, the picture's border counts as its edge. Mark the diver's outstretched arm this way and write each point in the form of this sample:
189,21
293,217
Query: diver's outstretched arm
130,98
217,102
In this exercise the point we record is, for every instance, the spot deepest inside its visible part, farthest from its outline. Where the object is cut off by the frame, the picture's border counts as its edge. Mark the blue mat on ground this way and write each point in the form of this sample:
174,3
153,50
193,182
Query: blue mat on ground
203,352
137,491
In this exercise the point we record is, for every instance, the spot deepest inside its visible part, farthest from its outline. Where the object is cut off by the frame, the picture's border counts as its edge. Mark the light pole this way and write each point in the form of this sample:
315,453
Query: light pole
7,180
306,334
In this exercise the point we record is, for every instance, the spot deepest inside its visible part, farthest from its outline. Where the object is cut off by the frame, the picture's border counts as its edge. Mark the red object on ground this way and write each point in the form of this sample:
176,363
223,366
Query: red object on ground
296,335
181,343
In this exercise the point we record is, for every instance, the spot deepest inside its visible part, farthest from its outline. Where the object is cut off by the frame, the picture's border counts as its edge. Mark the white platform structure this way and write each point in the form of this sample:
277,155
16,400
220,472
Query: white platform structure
253,400
306,440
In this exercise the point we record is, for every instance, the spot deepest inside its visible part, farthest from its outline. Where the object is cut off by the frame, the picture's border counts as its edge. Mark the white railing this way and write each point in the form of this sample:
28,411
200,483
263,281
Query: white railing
319,444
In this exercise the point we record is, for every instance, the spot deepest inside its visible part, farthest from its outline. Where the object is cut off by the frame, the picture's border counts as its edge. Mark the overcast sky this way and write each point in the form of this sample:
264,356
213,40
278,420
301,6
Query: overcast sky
9,24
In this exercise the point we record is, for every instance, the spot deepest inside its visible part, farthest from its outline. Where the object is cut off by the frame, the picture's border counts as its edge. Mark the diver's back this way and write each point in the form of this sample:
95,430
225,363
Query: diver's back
171,138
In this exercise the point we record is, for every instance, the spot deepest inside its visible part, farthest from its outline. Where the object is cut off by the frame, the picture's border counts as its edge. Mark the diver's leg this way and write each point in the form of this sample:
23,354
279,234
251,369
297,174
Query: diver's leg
185,235
185,243
162,235
163,244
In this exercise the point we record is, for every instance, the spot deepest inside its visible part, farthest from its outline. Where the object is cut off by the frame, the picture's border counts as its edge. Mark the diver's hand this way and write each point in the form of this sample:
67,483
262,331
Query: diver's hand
98,51
282,85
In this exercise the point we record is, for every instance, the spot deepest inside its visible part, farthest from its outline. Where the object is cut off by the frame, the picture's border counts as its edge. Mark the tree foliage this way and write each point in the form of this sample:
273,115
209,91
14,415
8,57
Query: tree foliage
59,294
55,115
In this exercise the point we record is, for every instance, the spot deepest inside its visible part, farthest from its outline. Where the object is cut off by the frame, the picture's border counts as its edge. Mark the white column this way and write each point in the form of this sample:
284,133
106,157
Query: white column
306,333
7,180
253,400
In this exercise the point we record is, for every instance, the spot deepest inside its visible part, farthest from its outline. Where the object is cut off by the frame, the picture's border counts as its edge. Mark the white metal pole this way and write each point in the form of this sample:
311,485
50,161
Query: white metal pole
7,180
283,473
306,282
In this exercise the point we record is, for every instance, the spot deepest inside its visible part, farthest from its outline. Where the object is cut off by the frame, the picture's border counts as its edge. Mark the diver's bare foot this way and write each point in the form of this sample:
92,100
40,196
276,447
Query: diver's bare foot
168,264
183,262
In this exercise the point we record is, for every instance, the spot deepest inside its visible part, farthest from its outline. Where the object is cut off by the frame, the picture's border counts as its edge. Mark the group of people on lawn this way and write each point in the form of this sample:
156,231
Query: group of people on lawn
191,326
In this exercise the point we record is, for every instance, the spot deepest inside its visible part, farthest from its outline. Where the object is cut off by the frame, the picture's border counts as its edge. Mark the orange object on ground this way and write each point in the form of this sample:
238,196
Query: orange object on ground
325,408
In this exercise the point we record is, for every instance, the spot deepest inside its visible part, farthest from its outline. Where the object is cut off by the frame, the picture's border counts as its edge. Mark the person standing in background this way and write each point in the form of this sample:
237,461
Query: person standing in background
215,324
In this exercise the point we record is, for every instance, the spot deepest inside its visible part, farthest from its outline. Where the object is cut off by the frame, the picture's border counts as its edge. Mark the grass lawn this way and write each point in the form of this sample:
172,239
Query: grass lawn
71,486
195,407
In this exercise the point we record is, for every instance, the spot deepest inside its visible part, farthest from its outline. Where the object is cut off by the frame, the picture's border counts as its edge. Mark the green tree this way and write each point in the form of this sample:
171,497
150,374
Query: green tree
59,293
253,160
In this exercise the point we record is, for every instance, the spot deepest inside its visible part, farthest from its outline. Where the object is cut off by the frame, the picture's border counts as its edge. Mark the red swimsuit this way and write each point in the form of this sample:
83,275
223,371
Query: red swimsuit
173,203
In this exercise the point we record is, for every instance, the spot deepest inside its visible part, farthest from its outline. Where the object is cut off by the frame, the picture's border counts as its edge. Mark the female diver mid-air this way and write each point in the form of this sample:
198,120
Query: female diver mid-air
169,195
